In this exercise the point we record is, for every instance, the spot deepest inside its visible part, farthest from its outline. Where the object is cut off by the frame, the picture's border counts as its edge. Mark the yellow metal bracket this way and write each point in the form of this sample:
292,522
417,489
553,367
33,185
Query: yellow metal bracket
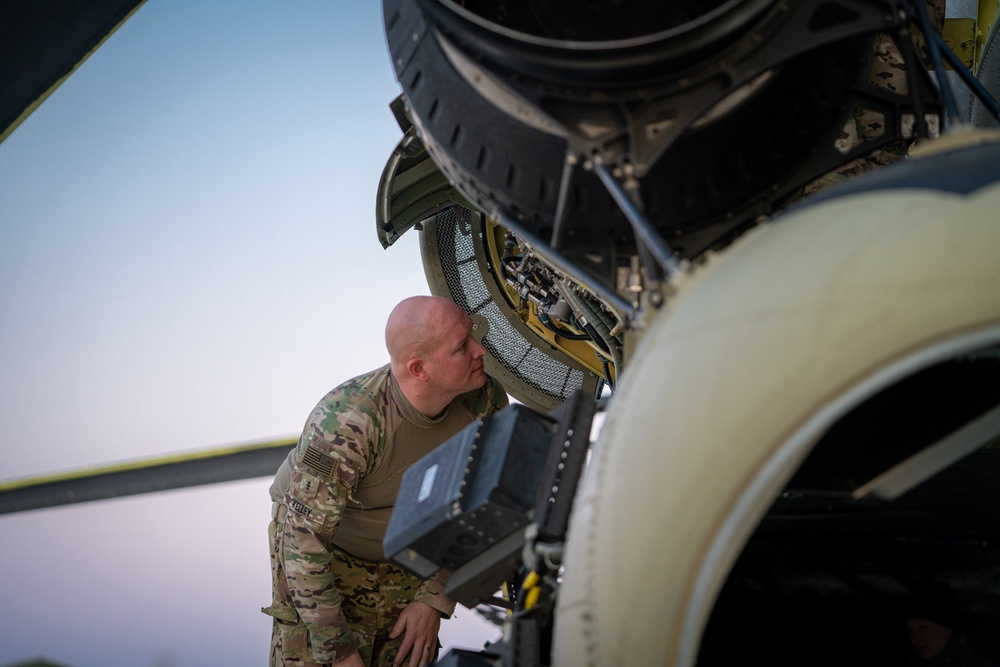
960,36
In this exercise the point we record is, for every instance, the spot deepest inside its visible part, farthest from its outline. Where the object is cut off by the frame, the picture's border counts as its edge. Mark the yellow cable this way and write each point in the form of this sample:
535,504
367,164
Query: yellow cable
532,598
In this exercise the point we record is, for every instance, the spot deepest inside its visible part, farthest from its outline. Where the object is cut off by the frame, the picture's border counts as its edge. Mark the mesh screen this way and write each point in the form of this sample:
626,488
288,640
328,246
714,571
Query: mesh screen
507,346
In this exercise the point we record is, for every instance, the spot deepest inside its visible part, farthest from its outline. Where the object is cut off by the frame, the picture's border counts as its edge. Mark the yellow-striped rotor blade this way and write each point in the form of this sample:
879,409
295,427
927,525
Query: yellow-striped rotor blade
144,476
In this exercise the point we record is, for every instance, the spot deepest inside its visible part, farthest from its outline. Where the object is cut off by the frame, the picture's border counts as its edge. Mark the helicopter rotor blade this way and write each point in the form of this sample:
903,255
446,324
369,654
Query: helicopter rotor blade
144,476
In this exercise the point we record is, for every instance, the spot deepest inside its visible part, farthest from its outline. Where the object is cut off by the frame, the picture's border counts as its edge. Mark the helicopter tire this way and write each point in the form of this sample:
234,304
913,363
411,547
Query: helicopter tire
757,352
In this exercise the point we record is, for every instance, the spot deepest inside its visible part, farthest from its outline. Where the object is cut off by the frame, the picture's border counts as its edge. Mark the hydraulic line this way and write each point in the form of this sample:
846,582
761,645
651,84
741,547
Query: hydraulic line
528,286
531,287
564,266
607,373
562,333
974,84
934,48
599,323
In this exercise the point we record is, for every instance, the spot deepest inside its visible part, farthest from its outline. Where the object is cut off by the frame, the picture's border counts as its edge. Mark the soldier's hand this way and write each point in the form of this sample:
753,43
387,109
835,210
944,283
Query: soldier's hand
353,660
419,624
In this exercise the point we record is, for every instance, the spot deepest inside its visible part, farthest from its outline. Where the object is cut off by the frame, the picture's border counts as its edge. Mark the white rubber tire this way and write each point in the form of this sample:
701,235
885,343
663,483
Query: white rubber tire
751,361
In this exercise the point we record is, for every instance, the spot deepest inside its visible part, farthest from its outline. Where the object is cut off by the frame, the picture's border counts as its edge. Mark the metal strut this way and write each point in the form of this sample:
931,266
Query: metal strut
934,49
641,227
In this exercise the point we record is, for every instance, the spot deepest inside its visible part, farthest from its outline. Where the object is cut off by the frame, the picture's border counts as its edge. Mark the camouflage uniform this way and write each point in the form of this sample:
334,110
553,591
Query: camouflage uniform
328,602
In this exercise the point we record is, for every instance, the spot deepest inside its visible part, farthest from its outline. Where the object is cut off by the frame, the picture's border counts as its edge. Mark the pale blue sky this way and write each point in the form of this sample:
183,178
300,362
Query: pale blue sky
187,260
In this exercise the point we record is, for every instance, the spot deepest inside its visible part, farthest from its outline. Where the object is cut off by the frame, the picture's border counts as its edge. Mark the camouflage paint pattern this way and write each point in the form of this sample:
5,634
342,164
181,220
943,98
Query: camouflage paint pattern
888,70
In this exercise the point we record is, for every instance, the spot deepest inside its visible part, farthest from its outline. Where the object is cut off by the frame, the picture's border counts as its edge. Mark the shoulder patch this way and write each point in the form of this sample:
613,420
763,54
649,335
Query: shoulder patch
318,461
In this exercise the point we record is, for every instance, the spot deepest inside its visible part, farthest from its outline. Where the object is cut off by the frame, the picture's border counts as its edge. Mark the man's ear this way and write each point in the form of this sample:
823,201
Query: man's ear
417,368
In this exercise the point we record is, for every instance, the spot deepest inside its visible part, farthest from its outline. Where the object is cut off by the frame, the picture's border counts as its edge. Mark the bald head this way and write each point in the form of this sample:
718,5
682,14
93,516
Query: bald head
414,325
433,354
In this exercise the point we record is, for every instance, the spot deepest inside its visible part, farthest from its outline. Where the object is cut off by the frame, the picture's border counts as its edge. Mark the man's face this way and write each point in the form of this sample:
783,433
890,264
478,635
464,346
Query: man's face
457,363
927,637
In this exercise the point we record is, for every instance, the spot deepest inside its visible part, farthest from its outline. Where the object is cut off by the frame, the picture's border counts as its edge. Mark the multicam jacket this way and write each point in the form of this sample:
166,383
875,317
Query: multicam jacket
340,484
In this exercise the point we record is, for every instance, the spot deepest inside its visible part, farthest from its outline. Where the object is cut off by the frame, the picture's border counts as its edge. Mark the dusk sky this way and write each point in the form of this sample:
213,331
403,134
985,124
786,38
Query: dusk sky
188,260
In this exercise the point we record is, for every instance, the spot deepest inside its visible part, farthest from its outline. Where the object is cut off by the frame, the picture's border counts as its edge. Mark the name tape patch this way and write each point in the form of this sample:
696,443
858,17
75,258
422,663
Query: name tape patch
299,508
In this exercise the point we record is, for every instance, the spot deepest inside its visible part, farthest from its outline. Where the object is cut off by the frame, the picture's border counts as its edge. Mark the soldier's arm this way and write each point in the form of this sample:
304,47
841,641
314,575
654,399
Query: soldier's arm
431,593
325,475
419,626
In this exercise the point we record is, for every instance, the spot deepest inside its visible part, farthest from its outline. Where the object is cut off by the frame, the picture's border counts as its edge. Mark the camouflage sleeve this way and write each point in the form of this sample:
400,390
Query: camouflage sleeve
490,398
431,593
326,473
498,396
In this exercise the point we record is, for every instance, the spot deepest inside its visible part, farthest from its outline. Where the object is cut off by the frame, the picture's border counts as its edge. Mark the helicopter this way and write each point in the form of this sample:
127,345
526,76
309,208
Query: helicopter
707,209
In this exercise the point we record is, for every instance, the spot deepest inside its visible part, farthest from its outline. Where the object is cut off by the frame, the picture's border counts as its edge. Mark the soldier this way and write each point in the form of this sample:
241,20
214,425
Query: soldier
336,600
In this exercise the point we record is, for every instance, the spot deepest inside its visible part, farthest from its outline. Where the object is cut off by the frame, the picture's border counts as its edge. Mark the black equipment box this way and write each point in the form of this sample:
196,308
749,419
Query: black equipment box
472,491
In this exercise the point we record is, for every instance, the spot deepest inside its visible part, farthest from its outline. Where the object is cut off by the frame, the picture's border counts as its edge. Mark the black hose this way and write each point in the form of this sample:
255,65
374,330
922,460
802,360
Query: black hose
596,337
934,49
562,333
975,84
607,374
